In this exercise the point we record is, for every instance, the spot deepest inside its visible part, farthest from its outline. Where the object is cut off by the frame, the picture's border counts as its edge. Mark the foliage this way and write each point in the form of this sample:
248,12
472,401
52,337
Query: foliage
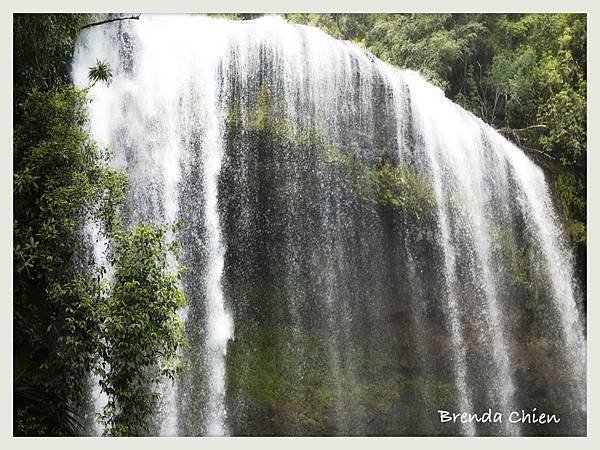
42,261
431,43
141,329
62,181
42,49
387,185
549,90
341,26
100,72
572,205
565,116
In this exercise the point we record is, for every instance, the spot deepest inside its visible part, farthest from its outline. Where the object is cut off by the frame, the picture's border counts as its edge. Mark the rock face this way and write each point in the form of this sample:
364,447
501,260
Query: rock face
360,251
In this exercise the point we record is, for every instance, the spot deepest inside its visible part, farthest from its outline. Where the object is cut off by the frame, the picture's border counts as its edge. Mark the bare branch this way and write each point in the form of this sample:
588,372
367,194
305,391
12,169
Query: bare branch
102,22
517,130
539,152
514,133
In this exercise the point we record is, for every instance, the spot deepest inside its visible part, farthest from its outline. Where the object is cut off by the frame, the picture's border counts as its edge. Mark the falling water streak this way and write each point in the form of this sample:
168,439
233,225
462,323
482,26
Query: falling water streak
170,162
499,347
462,154
166,160
333,344
419,306
220,327
99,249
468,172
460,365
334,310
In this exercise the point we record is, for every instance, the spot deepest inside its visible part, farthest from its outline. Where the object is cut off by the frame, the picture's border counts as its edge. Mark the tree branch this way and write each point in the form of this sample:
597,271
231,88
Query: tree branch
517,130
102,22
539,152
514,132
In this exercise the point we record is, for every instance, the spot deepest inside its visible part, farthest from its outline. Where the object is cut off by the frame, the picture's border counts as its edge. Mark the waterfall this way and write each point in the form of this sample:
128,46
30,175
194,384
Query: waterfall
98,396
218,320
360,251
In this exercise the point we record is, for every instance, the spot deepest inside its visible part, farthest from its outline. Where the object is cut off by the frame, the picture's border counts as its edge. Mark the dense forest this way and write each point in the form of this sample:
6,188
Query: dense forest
524,74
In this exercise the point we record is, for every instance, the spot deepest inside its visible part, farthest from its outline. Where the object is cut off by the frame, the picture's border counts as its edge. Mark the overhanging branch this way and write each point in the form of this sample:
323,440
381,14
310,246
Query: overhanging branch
539,152
102,22
514,132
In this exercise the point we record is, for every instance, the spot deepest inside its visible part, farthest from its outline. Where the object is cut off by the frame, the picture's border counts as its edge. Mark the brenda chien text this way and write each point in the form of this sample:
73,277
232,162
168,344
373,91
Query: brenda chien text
520,416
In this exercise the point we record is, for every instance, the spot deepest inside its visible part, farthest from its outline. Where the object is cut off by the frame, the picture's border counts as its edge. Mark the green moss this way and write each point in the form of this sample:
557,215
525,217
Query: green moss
265,368
379,397
516,264
266,118
398,187
435,394
281,374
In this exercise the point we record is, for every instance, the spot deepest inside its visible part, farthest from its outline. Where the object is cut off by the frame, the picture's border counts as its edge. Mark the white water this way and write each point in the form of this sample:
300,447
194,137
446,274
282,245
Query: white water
173,79
220,327
461,157
100,247
534,202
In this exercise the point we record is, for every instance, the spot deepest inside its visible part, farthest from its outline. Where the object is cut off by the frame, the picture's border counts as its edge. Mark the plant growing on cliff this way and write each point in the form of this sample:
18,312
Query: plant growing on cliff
141,330
393,186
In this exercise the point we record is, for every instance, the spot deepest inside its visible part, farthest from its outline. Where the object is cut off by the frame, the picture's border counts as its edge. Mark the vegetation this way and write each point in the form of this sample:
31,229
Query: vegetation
64,317
286,392
394,186
141,328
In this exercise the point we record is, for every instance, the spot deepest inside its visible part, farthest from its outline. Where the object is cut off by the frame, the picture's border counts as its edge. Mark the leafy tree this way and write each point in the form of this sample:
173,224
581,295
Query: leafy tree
42,48
61,181
141,329
544,108
340,26
431,43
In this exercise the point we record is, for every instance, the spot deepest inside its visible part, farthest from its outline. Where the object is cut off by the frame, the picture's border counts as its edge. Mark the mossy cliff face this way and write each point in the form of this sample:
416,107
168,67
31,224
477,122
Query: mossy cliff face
282,380
358,344
292,367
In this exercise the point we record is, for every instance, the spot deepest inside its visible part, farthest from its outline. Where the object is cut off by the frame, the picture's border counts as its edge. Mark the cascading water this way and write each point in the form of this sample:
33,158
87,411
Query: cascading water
378,253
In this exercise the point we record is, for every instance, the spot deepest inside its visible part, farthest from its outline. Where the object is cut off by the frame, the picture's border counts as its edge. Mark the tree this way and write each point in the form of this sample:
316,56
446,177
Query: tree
142,331
61,181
